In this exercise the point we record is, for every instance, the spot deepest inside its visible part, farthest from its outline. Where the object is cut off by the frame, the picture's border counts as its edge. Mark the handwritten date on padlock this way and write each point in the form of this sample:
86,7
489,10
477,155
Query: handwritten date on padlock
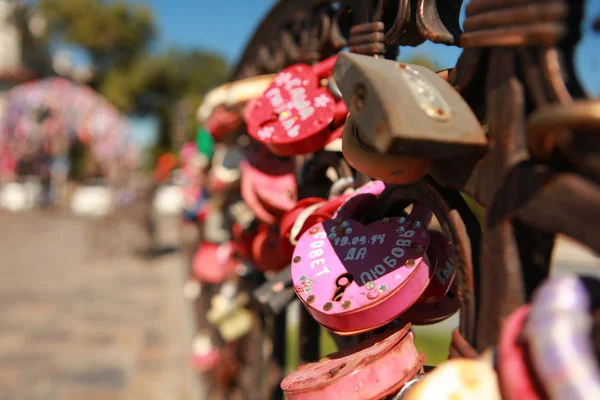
341,266
293,114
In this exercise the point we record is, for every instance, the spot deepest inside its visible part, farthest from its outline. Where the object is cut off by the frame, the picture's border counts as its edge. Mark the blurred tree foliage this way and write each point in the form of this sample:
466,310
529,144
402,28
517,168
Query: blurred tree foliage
118,37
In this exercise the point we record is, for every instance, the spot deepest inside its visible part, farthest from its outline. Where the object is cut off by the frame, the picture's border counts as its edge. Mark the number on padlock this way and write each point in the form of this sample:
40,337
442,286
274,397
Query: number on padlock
387,273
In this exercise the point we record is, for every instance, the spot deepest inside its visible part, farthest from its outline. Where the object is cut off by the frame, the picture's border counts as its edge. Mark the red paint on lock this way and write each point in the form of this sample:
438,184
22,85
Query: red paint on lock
267,252
289,219
376,368
324,211
294,114
514,374
223,122
268,185
213,262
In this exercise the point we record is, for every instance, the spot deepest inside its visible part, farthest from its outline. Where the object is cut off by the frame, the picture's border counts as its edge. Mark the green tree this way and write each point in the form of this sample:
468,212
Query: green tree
112,33
117,37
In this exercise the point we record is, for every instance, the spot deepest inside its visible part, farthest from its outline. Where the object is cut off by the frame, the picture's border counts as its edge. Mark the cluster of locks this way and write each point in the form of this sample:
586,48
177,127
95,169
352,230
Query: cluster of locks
320,193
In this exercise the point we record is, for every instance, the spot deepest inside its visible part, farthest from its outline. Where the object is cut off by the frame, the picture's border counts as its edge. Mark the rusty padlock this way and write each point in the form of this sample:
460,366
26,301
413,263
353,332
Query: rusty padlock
354,278
405,111
440,299
296,114
515,373
374,369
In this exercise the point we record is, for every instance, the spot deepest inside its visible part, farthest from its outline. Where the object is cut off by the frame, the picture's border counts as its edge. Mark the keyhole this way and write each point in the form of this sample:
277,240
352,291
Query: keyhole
341,283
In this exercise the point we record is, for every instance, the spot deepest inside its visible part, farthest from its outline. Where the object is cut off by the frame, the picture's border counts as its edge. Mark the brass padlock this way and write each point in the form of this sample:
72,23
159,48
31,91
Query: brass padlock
464,379
407,110
227,313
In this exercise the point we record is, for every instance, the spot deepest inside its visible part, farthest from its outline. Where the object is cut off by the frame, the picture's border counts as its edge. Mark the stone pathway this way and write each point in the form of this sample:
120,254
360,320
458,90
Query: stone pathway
73,327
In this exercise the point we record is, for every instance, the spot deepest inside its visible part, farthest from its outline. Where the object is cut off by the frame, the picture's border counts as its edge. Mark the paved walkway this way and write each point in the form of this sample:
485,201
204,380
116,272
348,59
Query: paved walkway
78,327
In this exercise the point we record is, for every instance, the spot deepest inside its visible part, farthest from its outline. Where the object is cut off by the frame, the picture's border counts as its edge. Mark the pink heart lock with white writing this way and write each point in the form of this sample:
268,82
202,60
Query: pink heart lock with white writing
354,278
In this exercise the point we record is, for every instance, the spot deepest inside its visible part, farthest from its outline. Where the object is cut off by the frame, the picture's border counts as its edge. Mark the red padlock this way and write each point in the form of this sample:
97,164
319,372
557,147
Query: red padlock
213,262
268,185
514,373
376,368
266,250
222,122
296,115
305,214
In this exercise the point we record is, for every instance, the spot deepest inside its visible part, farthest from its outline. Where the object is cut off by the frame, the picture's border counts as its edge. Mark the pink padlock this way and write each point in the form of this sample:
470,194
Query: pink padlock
376,368
354,278
268,185
361,199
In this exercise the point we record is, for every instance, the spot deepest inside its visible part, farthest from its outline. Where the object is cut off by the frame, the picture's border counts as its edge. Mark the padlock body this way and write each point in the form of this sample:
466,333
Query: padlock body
380,266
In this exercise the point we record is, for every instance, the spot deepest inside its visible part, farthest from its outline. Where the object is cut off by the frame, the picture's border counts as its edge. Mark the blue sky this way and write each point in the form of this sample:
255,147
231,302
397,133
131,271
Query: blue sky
225,26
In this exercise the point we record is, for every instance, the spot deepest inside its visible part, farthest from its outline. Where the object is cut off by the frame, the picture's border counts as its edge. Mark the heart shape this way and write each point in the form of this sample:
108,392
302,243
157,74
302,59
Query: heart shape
293,115
378,266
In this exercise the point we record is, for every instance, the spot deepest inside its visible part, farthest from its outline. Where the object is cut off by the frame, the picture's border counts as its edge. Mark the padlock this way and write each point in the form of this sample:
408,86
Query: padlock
266,250
277,293
213,263
223,122
440,299
215,228
463,379
407,111
220,110
375,368
227,312
360,200
205,356
306,213
273,179
268,186
515,374
228,315
558,332
297,115
225,173
378,165
354,278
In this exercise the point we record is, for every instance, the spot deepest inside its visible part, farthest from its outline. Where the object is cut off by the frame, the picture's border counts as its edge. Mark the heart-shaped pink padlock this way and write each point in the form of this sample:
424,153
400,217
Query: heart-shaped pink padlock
376,368
354,278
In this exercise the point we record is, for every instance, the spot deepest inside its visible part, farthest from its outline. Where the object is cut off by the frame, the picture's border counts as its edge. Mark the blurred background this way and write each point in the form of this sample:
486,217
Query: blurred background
92,94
